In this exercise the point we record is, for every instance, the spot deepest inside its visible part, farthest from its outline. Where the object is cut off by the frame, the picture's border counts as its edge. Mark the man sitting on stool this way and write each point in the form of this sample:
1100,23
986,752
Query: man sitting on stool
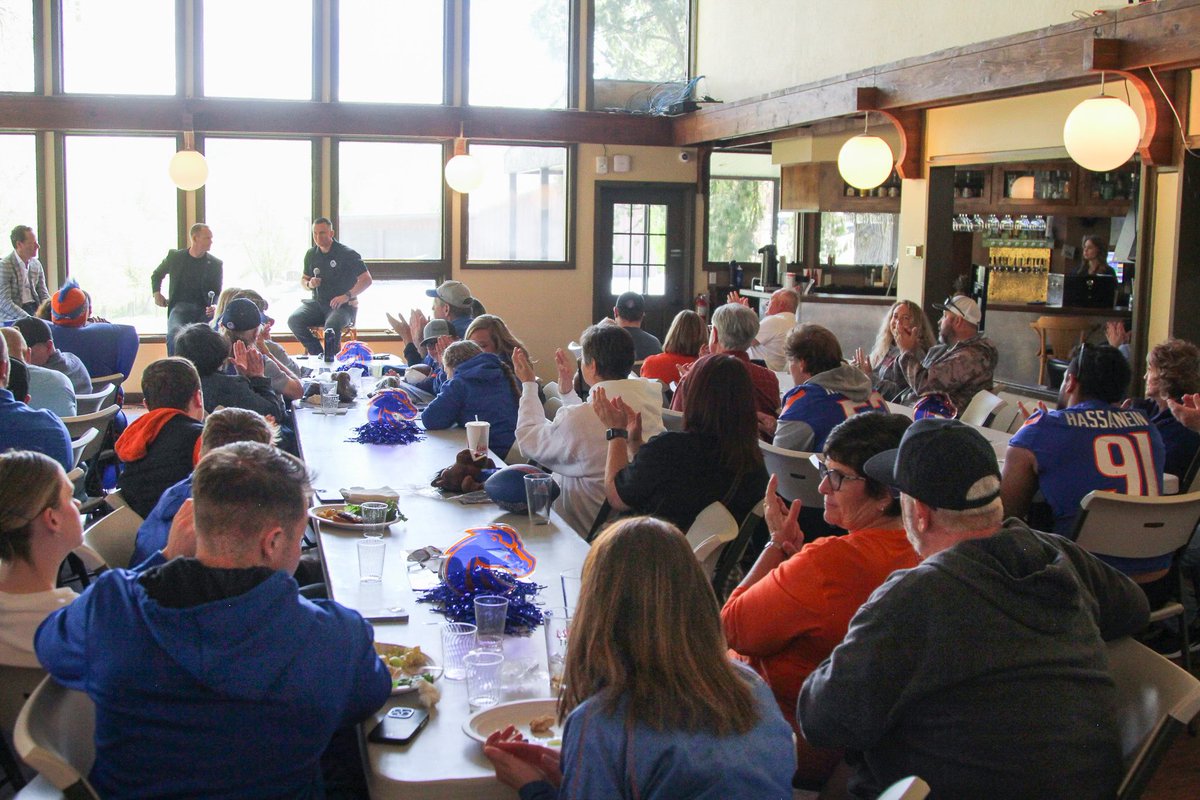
336,275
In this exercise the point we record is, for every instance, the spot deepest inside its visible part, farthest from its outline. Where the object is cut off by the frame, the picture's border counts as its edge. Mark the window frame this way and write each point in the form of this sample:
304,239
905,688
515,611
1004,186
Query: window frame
571,177
713,266
574,34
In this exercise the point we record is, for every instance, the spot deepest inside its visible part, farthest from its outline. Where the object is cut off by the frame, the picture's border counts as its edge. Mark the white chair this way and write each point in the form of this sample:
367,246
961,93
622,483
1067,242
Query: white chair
79,446
672,420
55,734
1004,417
91,403
797,475
1125,526
713,528
900,408
16,684
114,536
100,420
1155,701
981,408
786,381
115,379
75,475
551,390
910,788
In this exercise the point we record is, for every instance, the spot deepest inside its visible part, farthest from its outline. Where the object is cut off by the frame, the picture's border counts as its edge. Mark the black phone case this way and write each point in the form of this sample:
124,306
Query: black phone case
392,730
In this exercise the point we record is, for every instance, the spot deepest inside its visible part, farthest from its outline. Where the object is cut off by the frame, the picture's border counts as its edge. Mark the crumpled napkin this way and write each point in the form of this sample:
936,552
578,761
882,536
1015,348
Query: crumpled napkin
358,495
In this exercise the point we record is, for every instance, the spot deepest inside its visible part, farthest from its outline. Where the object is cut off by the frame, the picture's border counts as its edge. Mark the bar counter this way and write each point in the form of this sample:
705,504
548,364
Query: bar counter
856,319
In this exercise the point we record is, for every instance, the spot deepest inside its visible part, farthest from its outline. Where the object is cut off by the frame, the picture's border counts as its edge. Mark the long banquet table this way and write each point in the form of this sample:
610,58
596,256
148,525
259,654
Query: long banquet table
442,762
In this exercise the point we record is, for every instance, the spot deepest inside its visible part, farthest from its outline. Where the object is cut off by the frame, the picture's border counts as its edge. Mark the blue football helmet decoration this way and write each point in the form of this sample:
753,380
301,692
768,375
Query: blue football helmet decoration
354,351
506,487
391,406
936,406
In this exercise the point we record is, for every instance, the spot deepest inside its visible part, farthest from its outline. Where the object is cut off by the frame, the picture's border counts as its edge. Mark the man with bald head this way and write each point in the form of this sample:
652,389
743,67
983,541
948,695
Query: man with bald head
771,342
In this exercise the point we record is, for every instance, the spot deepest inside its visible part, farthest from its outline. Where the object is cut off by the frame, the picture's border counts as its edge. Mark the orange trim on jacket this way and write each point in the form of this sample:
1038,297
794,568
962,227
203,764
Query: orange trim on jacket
134,443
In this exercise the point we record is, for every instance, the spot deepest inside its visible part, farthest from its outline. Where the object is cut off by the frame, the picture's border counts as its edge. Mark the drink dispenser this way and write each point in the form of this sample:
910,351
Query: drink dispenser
768,275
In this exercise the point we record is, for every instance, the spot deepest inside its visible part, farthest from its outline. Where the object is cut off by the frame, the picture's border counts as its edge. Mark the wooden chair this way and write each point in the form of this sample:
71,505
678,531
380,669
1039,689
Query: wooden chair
114,536
1155,701
55,734
983,406
79,446
1126,526
91,403
1057,336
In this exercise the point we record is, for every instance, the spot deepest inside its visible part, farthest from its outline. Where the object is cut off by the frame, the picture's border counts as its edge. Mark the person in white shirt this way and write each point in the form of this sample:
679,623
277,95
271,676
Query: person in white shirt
22,278
773,329
573,445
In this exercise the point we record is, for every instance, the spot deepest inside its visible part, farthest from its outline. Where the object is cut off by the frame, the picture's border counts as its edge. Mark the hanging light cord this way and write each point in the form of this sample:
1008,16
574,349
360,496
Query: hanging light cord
1174,113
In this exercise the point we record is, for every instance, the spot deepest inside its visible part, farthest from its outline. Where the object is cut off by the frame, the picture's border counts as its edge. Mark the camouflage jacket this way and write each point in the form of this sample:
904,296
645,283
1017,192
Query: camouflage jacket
959,370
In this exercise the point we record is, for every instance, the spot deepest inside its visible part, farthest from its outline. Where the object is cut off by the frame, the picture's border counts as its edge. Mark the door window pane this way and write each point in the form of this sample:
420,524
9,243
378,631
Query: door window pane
377,64
520,211
18,176
258,49
643,40
258,202
100,57
116,239
16,46
390,199
519,53
639,248
741,214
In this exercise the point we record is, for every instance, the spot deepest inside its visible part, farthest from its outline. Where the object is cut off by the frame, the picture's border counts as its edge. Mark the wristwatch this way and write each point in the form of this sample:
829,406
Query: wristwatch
616,433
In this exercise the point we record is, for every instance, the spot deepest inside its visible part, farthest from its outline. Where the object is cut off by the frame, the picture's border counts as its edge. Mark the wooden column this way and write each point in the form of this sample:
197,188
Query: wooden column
939,239
1185,322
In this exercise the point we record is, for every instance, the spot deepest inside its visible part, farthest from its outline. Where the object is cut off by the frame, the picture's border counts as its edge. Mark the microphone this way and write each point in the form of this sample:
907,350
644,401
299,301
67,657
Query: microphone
211,296
316,274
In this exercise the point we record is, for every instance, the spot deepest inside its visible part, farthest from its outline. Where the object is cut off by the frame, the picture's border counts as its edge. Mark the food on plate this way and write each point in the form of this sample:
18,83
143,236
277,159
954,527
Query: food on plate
334,514
541,725
405,664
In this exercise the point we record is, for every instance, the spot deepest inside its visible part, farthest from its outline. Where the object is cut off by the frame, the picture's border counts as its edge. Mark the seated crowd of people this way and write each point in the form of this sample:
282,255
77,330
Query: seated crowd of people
935,622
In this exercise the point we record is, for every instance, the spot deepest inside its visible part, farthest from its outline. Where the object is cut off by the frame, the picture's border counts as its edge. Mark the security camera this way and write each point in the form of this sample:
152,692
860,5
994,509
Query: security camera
684,156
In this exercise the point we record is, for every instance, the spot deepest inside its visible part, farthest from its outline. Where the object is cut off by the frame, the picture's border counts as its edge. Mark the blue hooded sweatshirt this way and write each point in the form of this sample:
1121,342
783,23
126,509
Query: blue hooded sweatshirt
236,695
480,388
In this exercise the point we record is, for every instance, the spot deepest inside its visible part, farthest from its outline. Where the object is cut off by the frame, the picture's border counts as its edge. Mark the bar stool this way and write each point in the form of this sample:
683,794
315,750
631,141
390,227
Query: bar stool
1058,336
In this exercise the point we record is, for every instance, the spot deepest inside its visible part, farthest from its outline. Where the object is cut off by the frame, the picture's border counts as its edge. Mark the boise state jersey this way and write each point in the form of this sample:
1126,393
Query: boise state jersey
1093,445
823,410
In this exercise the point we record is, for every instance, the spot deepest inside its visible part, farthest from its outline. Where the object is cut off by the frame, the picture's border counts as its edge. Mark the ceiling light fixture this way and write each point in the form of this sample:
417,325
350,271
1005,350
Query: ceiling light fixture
464,172
865,161
188,169
1101,133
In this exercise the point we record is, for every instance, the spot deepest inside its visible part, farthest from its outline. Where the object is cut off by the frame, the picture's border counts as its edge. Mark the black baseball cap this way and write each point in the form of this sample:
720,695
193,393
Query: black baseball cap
937,462
631,301
34,330
241,315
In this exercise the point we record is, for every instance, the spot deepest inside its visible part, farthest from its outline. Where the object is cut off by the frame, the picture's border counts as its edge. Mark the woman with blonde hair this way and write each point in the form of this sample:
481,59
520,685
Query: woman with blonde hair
39,525
687,334
490,333
653,708
883,365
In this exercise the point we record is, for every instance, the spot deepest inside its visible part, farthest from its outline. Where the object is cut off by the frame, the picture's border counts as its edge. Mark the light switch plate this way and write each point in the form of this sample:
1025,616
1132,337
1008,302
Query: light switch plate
622,163
601,165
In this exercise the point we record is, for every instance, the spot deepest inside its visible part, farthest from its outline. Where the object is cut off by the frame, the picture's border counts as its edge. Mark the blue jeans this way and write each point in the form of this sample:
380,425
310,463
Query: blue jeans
179,316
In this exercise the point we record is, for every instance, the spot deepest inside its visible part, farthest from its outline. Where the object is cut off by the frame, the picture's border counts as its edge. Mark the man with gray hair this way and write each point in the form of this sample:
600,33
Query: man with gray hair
983,669
734,328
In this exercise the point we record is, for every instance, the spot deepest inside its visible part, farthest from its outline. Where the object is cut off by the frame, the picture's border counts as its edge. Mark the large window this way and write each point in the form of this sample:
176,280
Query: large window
641,40
258,49
258,202
100,56
519,53
741,217
389,51
520,212
18,176
390,200
16,46
115,239
858,239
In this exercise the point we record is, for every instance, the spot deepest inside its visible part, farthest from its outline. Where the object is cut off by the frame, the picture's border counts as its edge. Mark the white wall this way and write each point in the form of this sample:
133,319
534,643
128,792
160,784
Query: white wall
750,48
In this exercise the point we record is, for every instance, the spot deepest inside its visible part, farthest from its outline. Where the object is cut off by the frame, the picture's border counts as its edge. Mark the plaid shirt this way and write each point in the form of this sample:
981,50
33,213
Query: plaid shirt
11,276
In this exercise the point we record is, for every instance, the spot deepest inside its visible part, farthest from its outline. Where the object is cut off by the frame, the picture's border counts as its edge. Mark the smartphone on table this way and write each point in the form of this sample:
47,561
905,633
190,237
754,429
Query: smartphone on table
399,725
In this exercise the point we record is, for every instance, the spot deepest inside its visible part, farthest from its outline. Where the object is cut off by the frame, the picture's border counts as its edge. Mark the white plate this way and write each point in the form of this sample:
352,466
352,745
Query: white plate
518,713
431,666
354,526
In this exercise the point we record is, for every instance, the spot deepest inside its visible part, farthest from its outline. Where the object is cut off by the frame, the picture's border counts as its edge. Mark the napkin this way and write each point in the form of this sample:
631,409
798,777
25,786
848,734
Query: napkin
357,495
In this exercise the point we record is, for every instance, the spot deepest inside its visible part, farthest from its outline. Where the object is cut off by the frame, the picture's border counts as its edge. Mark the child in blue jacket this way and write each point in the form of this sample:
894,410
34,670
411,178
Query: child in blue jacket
479,386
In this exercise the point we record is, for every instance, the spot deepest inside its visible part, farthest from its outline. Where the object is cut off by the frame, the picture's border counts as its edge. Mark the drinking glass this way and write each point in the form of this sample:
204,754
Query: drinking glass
458,639
483,678
491,611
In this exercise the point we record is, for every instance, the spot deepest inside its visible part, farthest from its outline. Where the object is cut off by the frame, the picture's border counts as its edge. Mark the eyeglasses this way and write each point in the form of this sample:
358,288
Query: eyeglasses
835,477
429,556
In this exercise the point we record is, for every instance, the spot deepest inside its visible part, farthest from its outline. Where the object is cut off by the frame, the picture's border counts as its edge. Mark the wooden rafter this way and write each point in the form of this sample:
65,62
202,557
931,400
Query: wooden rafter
1107,55
909,123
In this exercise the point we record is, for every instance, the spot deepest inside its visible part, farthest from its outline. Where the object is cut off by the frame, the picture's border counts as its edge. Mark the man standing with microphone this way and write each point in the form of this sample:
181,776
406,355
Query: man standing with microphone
336,275
195,280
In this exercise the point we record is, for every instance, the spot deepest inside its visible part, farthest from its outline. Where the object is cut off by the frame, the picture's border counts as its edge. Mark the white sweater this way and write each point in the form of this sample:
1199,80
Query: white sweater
573,447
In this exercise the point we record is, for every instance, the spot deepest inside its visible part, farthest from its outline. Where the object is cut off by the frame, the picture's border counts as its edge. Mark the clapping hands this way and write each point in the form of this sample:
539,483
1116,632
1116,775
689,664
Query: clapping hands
522,367
616,413
1187,411
247,360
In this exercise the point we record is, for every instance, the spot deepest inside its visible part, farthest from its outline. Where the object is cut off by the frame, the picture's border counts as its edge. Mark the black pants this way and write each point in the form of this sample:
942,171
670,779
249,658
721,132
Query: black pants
312,314
181,315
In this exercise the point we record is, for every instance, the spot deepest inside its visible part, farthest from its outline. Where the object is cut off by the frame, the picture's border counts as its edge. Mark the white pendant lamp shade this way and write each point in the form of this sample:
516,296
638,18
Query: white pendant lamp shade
1022,188
1101,133
188,170
865,161
464,172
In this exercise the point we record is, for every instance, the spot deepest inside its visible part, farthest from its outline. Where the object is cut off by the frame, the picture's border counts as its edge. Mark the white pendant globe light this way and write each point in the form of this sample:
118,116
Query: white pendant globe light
1101,133
865,161
464,172
1022,188
188,170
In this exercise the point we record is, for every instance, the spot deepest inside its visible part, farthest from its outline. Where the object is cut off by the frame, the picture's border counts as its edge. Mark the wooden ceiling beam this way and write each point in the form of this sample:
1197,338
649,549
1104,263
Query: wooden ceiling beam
215,116
1164,35
1157,144
909,124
